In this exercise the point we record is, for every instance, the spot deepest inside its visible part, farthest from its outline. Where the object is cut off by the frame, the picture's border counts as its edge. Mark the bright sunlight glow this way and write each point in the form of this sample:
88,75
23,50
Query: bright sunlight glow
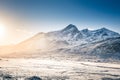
2,30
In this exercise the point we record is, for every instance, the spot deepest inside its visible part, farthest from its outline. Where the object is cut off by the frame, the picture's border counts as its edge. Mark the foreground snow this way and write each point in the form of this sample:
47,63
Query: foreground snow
59,70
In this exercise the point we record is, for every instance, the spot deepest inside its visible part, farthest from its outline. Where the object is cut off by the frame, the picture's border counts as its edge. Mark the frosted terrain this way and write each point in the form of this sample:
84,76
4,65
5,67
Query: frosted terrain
59,70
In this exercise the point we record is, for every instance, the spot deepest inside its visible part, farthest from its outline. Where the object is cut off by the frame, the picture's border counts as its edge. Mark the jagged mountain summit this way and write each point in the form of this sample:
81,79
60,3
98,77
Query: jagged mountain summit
69,36
71,31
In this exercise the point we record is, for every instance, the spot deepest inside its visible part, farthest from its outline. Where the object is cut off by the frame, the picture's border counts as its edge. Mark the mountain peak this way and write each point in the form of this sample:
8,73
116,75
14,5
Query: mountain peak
70,27
106,30
103,28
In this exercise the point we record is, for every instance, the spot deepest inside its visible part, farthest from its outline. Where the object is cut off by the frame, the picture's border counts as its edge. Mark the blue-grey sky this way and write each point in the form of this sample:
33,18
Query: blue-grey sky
48,15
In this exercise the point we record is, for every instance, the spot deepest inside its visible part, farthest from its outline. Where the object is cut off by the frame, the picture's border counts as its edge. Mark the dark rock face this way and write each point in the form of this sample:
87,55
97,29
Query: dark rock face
33,78
70,28
108,49
8,77
110,79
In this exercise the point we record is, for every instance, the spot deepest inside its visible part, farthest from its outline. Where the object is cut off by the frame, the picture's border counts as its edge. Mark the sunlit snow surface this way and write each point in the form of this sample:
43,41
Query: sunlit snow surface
59,70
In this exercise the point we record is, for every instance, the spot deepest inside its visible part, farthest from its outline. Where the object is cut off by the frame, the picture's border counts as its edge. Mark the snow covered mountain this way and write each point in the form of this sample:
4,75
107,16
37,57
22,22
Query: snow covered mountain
67,37
71,40
71,33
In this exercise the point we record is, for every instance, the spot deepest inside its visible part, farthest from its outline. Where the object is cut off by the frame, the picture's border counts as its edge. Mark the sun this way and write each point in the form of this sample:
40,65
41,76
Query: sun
2,30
